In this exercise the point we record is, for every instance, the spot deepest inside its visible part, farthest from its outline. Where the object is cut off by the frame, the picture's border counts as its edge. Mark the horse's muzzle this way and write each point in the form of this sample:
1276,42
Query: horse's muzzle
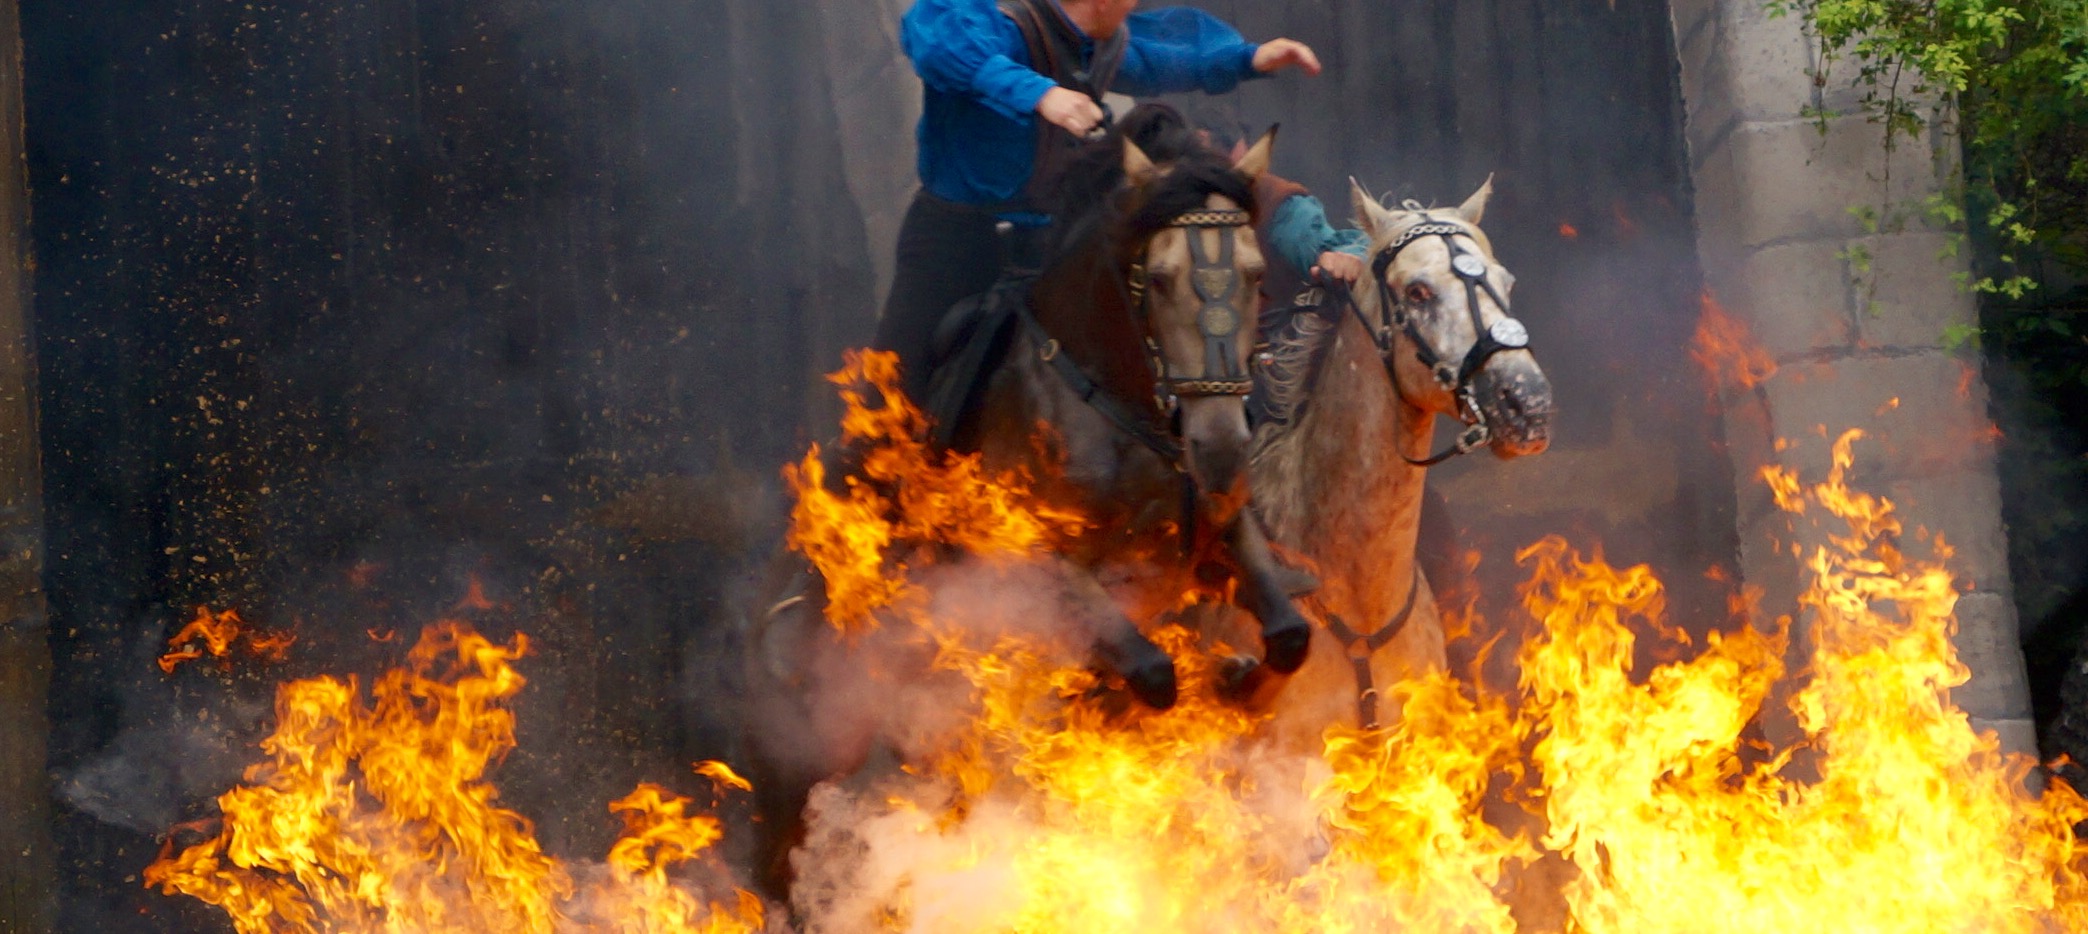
1516,400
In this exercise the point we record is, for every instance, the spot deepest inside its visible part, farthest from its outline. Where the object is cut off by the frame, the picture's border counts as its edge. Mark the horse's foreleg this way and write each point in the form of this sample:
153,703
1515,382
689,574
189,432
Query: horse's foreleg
1261,590
1120,649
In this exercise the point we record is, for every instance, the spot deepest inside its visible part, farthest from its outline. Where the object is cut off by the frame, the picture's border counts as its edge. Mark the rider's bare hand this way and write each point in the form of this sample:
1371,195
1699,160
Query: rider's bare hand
1335,264
1278,54
1073,111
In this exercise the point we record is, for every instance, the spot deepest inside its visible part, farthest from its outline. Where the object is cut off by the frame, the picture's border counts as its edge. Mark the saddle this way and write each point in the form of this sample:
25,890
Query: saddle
971,338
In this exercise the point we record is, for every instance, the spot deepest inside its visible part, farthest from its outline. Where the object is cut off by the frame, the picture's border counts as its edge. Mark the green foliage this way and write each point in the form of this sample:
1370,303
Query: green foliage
2010,79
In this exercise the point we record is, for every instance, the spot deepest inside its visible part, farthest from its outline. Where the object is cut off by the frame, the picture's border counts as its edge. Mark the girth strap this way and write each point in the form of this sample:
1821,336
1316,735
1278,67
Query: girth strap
1351,641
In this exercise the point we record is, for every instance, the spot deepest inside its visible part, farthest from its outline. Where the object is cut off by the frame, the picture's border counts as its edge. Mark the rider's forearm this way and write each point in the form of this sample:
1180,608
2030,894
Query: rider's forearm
1009,87
1300,233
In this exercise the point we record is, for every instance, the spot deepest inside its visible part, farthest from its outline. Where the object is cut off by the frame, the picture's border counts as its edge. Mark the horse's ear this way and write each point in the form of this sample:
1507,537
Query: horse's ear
1371,216
1474,207
1138,167
1256,161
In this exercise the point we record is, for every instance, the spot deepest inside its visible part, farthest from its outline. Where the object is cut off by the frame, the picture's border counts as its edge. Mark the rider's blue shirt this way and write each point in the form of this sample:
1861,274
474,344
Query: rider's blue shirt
1300,233
978,121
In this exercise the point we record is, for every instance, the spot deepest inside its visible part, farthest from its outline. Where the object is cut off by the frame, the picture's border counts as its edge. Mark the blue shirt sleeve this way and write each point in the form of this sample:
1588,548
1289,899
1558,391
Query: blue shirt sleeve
965,47
1182,49
1301,233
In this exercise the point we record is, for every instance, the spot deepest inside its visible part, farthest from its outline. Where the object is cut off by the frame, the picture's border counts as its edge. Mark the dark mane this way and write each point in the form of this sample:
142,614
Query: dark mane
1090,200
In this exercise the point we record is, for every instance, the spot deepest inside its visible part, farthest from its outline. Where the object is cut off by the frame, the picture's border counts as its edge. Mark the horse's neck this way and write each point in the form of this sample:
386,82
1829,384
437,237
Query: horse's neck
1081,301
1341,491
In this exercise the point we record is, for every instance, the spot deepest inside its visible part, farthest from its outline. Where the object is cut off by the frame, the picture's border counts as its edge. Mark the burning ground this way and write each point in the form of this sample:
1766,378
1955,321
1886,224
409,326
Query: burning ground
1605,791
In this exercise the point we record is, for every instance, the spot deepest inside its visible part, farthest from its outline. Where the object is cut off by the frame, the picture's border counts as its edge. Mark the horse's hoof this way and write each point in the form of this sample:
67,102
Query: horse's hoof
1240,678
1285,638
1147,671
1153,682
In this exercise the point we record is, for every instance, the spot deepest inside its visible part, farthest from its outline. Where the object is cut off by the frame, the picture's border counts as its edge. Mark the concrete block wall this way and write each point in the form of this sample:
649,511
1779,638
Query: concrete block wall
1859,344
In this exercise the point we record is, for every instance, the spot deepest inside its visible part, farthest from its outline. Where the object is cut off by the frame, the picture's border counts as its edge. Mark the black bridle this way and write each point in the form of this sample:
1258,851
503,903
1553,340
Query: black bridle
1456,378
1217,286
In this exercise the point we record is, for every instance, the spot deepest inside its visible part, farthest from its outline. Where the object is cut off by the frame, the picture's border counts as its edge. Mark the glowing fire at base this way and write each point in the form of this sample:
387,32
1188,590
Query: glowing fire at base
1049,812
373,815
1642,804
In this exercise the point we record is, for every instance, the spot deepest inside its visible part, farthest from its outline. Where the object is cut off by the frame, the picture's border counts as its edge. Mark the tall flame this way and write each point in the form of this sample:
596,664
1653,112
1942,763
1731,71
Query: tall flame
373,814
902,495
1600,793
1726,349
1651,795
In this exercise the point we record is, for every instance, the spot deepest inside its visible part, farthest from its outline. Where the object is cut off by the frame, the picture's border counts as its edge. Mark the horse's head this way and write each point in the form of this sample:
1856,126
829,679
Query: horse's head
1197,268
1442,322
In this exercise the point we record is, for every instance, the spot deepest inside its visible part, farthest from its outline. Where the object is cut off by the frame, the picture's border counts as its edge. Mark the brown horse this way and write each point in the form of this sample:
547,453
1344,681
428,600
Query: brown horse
1355,388
1132,353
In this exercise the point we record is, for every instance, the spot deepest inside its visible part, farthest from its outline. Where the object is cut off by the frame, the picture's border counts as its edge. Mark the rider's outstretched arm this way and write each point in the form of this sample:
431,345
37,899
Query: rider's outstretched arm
1182,49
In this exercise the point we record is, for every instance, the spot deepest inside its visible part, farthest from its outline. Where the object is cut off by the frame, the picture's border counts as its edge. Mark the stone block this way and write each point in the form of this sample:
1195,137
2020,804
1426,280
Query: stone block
1694,21
1720,201
1749,447
1987,643
2018,738
1769,565
1910,295
1768,63
1794,297
1964,507
1705,76
1801,183
1920,413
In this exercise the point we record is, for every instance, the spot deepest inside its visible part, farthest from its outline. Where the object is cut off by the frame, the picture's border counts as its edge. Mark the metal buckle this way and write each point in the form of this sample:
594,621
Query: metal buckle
1473,437
1509,333
1468,265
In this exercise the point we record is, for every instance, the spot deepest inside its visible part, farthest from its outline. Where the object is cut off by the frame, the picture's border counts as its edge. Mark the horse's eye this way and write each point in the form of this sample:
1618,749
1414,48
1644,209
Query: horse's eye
1419,294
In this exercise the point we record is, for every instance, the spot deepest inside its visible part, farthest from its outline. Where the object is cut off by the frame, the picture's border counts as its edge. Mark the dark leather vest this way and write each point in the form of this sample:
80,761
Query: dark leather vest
1055,52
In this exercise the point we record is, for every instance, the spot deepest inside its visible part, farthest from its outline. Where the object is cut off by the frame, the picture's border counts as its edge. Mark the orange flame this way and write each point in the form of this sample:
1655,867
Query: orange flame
1052,811
373,815
1051,808
903,495
1725,348
218,632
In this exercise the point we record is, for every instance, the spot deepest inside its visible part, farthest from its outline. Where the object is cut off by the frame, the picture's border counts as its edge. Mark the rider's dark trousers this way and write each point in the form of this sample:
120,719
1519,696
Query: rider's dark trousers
947,252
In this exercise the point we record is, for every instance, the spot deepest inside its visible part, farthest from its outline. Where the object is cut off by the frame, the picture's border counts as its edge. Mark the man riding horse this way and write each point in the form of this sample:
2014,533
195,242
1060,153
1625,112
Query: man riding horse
1011,88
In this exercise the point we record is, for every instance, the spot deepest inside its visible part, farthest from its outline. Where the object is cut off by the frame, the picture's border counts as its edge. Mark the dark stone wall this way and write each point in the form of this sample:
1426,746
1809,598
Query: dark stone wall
345,305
